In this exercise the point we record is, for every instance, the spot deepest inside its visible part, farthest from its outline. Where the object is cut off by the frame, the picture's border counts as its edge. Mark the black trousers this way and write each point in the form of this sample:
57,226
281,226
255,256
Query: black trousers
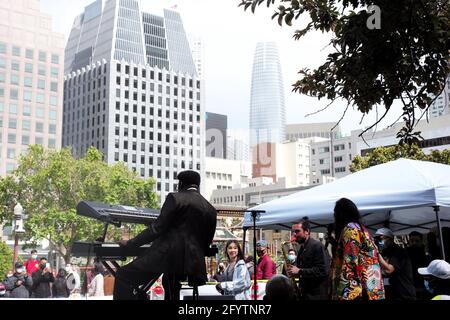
131,284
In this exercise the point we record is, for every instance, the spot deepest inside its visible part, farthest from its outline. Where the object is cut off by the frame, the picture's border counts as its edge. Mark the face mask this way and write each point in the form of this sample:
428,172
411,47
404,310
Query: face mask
427,286
42,266
381,244
34,256
291,258
19,270
67,269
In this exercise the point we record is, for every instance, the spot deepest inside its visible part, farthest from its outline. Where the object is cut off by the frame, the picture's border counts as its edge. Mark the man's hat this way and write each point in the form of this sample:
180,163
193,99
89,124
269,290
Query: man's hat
189,177
438,268
261,243
18,265
385,232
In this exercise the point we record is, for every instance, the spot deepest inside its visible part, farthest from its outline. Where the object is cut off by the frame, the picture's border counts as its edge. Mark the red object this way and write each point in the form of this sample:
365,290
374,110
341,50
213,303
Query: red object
32,265
158,290
266,268
293,238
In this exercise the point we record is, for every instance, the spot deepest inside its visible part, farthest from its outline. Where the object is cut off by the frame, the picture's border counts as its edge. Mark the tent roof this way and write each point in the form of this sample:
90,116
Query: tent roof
402,192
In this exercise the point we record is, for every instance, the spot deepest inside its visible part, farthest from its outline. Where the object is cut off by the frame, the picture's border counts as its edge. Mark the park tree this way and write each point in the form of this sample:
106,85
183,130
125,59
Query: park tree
6,258
49,184
383,50
385,154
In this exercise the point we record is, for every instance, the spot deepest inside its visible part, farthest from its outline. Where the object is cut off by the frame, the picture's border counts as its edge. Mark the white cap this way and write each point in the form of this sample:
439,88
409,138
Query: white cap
438,268
384,232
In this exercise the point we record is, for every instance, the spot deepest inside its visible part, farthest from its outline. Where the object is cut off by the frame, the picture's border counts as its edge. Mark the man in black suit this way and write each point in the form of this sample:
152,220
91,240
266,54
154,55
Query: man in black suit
312,265
180,239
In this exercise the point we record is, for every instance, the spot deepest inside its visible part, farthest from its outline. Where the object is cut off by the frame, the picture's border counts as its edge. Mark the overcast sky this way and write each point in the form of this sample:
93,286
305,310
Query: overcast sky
229,36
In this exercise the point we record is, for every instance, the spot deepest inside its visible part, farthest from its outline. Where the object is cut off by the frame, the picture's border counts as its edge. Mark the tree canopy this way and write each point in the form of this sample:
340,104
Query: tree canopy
49,184
6,258
386,154
405,56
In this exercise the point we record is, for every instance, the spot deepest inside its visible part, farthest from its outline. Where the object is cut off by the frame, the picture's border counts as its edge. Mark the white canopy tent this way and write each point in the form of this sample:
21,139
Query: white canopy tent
405,195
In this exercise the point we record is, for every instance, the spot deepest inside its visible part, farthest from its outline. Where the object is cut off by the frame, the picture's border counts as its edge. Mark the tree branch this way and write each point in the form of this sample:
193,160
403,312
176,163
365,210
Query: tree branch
326,107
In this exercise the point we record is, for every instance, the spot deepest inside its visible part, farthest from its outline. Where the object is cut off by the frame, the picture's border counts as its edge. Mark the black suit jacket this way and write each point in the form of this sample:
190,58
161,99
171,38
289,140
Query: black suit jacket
314,268
180,236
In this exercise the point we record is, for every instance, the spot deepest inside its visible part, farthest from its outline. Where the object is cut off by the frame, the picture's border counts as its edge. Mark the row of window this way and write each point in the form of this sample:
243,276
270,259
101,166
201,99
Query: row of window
26,126
336,170
29,67
39,112
219,176
17,51
25,140
228,199
150,161
28,96
28,82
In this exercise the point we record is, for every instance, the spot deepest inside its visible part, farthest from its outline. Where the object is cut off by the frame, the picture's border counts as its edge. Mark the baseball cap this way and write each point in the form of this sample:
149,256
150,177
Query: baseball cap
438,268
384,232
18,265
261,243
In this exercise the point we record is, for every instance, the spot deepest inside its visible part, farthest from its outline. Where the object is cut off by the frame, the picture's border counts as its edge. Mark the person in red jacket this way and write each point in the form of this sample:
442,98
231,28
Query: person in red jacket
32,264
266,268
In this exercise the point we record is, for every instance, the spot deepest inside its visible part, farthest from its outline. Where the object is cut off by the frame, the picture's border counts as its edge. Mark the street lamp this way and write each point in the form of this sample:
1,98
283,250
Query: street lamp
18,229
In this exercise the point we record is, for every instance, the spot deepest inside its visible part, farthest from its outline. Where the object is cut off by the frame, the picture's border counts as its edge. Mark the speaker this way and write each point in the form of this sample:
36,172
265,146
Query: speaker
212,297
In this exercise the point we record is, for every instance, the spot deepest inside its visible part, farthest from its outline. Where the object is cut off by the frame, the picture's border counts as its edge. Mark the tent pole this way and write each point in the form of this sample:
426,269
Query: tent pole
243,241
441,239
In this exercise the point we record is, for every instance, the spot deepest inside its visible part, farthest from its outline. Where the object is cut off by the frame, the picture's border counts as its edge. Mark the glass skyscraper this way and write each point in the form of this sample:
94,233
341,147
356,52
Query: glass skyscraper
267,109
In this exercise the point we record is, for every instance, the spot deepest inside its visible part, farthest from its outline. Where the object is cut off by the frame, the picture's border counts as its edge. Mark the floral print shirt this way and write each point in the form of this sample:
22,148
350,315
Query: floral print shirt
356,272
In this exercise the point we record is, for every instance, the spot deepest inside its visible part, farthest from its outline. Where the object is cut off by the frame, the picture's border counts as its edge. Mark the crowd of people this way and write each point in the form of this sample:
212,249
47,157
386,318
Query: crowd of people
35,279
360,266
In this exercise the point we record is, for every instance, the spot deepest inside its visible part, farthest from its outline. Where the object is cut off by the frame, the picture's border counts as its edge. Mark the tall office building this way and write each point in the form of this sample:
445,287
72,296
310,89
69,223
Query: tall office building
132,91
216,135
267,110
31,76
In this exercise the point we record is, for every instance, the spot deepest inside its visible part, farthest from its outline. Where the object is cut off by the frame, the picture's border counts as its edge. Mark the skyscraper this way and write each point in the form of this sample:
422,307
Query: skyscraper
132,91
216,135
267,110
31,76
441,104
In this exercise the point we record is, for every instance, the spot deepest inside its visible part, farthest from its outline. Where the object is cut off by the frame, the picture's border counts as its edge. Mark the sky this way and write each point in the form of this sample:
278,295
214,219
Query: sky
229,37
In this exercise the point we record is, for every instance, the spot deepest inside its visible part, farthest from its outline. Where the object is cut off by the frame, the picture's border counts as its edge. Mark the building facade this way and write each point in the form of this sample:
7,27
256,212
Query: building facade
132,91
310,130
238,145
441,105
31,77
267,109
224,174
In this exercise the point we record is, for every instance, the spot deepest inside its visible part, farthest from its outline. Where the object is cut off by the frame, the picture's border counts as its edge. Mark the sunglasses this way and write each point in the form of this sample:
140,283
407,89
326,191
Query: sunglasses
296,231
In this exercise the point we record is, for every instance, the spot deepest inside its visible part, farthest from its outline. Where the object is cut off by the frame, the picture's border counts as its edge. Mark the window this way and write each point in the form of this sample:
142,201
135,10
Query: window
52,128
2,47
29,54
40,98
338,159
28,82
12,124
41,70
15,65
40,112
29,67
26,125
11,139
41,84
16,51
27,95
14,94
53,100
54,86
51,143
55,58
25,140
54,72
339,147
340,169
13,108
42,56
2,77
2,63
15,79
11,153
39,127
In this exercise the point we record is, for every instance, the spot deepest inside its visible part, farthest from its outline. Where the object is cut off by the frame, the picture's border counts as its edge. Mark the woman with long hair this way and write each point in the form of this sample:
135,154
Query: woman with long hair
356,272
237,280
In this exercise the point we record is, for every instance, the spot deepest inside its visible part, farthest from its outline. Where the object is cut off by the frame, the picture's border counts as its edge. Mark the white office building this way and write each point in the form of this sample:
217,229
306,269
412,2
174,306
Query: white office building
441,106
132,91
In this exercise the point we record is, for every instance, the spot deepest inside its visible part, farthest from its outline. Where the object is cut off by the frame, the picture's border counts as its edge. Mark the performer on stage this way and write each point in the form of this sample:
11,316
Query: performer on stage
180,238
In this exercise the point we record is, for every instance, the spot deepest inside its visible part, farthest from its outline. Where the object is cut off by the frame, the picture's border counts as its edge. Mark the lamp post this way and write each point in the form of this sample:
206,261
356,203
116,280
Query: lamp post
18,230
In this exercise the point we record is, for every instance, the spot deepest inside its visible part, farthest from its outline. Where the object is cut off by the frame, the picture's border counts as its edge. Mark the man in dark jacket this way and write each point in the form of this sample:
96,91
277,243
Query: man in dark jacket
180,239
41,280
312,265
19,284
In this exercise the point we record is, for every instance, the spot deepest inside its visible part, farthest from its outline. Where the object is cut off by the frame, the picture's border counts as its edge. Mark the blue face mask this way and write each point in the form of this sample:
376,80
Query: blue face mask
427,286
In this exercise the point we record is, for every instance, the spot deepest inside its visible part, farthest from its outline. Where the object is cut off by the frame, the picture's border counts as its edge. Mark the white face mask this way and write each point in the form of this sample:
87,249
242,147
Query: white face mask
68,269
292,258
19,270
34,256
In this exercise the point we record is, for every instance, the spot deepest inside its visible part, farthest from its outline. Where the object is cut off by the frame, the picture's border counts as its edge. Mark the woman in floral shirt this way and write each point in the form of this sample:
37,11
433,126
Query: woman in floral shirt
355,270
